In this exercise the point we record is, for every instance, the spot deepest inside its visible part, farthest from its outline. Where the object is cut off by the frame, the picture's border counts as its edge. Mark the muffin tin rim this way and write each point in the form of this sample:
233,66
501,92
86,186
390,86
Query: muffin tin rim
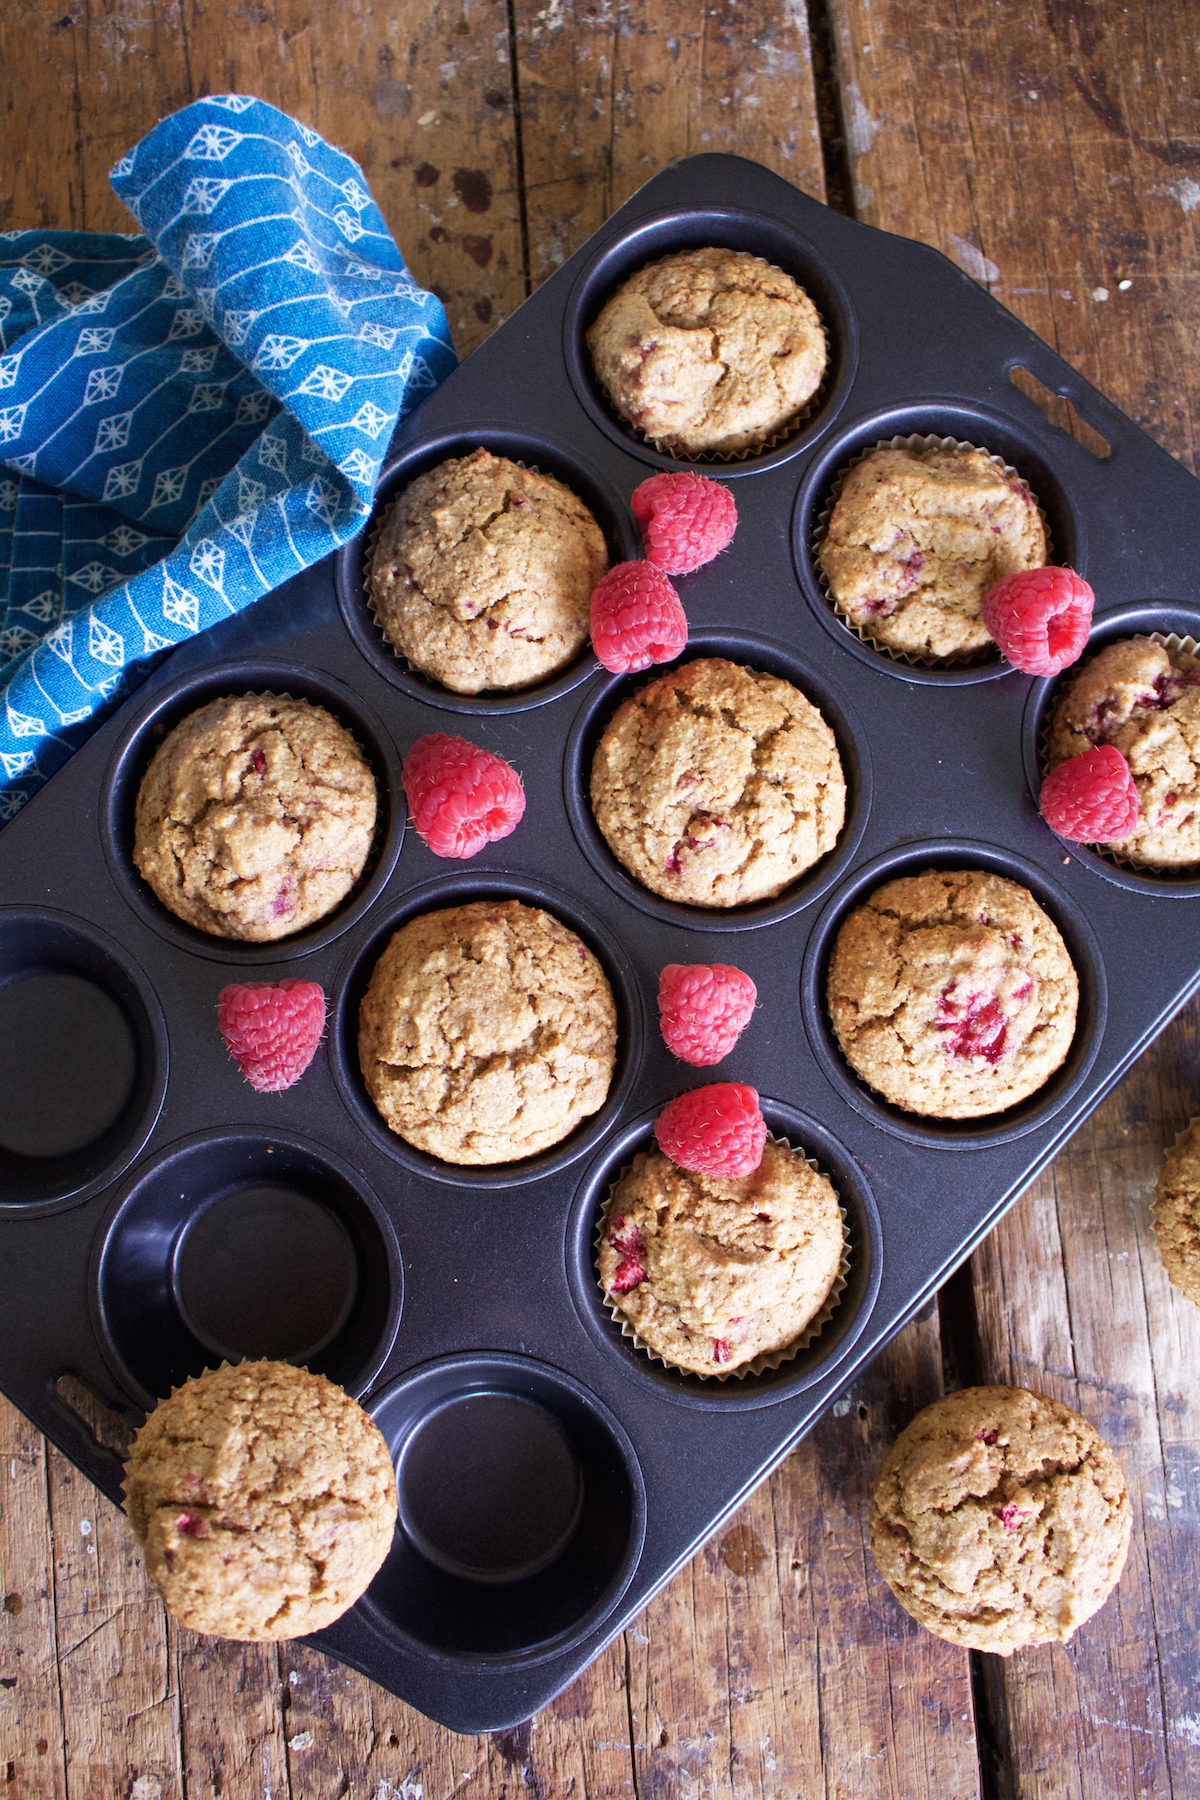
704,644
841,332
127,765
924,1131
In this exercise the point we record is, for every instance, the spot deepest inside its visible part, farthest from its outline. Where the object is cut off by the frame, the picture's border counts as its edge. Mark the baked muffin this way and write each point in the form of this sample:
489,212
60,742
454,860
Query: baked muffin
709,352
1000,1519
918,536
718,785
1144,699
714,1271
952,993
255,818
1177,1212
264,1499
487,1033
482,574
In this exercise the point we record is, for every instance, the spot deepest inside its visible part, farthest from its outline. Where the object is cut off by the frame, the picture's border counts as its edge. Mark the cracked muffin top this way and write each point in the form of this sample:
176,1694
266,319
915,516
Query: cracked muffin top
718,785
482,574
713,1271
952,993
709,351
255,818
1000,1518
487,1033
263,1498
918,536
1144,699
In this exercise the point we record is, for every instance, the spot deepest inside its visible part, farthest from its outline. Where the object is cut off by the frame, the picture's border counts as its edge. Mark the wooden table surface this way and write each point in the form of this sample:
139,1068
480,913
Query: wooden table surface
1052,148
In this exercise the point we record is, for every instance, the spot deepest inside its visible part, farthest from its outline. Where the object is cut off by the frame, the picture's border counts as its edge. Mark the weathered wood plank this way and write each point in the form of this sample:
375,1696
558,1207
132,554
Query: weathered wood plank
774,1665
32,1759
610,94
1051,150
98,74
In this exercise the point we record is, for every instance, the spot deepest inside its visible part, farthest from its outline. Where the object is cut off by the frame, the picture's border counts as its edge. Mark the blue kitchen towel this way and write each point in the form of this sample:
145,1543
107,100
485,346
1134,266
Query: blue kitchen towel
190,416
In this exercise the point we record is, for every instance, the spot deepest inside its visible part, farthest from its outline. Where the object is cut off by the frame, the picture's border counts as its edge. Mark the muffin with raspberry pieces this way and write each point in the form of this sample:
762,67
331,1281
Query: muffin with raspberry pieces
919,533
1000,1518
952,993
715,1271
718,785
264,1500
482,574
1142,698
709,352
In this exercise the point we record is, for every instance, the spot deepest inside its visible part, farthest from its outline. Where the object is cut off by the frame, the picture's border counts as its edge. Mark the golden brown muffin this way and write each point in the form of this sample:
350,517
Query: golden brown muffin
264,1499
999,1519
487,1033
255,818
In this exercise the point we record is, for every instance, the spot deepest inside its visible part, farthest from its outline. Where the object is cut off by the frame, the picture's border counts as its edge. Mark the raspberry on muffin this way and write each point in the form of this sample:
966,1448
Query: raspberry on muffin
1142,699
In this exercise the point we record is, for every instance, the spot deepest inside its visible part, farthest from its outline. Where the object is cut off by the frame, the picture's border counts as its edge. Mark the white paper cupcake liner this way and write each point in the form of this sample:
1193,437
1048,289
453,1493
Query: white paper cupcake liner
1187,647
969,659
770,1359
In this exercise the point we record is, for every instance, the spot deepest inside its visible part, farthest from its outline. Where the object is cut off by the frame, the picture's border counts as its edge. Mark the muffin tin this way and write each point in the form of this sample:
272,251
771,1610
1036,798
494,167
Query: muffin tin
156,1214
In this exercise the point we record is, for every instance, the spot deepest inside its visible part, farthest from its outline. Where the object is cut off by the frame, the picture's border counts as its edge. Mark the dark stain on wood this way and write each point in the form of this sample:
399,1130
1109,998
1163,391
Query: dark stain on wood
742,1551
473,189
425,175
13,1604
479,249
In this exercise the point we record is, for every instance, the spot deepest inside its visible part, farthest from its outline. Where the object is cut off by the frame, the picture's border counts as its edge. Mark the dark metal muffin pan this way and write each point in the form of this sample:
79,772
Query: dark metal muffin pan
156,1214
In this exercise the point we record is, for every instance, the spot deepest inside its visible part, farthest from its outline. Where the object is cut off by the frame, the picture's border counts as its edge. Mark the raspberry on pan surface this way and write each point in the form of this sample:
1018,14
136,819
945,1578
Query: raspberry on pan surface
272,1032
686,520
637,618
703,1009
461,797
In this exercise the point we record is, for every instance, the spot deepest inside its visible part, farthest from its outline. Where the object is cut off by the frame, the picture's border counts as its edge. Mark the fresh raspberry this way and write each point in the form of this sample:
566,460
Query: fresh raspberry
272,1032
1040,618
637,618
460,797
715,1130
704,1008
686,520
1091,798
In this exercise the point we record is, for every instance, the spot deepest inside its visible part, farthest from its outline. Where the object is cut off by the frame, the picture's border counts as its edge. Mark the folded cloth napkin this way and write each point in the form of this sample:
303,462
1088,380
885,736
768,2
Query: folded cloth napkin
192,415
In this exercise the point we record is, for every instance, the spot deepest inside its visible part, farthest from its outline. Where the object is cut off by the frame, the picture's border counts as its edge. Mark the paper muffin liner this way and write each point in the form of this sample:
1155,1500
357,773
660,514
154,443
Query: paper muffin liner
1175,645
370,541
967,659
769,1359
715,458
